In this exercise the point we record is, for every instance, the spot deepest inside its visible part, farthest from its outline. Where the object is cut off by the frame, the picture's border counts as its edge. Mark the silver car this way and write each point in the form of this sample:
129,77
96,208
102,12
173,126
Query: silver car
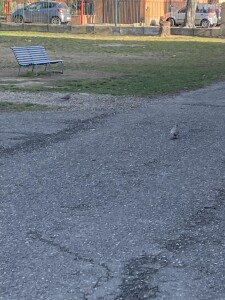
43,12
205,16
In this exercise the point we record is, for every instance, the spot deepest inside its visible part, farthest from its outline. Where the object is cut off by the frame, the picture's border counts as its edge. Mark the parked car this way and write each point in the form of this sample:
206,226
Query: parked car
43,12
205,16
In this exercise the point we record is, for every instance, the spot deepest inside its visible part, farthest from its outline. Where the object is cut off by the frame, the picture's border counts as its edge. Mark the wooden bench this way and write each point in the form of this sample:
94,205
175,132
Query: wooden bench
34,56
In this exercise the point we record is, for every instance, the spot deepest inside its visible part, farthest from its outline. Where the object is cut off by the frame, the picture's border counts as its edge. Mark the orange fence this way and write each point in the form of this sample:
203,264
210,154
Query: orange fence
146,12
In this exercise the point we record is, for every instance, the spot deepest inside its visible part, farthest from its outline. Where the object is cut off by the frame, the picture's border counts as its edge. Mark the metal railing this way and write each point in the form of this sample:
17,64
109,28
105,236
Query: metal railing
118,12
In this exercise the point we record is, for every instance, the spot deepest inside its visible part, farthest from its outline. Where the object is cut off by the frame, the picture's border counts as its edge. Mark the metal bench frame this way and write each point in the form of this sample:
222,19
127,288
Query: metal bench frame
34,56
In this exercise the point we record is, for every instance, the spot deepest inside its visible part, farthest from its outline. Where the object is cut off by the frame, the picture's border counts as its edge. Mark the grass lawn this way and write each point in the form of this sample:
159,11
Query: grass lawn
142,66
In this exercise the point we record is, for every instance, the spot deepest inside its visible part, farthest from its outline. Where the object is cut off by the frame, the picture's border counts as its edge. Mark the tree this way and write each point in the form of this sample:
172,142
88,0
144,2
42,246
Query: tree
189,20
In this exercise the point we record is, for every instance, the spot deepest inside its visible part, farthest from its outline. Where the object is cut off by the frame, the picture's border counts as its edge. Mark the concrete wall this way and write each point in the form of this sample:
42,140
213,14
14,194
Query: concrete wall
112,30
222,25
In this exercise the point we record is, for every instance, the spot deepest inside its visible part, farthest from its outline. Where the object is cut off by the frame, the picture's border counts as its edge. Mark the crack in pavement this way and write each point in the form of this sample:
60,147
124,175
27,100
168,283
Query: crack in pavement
35,235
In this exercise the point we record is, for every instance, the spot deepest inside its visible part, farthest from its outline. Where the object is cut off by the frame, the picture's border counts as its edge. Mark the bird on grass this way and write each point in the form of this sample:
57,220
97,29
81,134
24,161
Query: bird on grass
66,97
174,132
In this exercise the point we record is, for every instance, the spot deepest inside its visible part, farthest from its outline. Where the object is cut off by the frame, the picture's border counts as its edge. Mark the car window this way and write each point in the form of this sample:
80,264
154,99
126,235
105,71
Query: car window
34,6
182,10
203,9
48,4
199,9
52,4
45,5
31,6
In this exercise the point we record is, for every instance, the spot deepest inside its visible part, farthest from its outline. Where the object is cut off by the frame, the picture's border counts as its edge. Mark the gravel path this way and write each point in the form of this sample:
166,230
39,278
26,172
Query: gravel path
77,100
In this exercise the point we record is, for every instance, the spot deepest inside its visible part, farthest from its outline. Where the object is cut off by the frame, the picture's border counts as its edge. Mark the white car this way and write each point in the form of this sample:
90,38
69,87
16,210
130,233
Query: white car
205,16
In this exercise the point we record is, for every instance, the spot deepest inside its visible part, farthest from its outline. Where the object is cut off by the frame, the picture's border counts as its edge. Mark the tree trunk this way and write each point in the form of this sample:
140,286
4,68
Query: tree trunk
164,27
189,20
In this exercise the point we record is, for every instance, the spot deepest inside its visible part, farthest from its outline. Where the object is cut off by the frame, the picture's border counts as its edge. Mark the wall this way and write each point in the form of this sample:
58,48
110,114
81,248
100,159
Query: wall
112,30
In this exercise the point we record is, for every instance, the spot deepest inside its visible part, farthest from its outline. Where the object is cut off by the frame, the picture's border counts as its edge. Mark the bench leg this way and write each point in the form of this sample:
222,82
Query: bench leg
19,70
50,69
34,67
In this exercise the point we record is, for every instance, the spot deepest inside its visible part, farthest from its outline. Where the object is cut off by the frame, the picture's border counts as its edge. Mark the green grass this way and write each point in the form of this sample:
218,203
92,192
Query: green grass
20,107
138,65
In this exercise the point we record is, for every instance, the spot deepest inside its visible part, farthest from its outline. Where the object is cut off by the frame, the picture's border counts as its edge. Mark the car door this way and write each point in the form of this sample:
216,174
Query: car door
32,12
180,16
45,12
28,12
200,14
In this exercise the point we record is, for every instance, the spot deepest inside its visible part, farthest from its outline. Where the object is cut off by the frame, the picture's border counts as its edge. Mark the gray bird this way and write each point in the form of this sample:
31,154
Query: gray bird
66,97
174,132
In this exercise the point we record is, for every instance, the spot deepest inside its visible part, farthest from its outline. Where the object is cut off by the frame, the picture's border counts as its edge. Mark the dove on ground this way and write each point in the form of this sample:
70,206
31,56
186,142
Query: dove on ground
174,132
66,97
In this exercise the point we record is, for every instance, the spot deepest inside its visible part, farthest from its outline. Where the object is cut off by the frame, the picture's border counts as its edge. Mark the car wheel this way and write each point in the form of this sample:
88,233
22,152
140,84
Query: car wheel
205,23
172,22
56,21
18,19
